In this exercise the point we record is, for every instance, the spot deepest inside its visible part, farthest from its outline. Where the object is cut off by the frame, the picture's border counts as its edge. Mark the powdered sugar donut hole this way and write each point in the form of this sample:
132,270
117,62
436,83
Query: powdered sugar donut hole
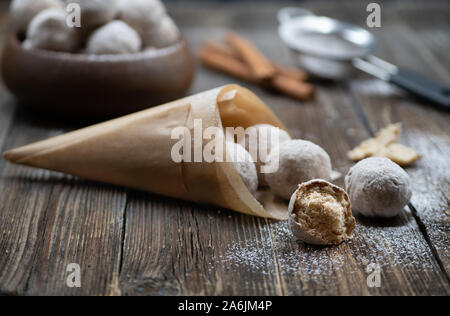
115,37
295,162
142,15
163,35
149,18
263,145
244,165
320,214
95,13
21,12
48,30
378,187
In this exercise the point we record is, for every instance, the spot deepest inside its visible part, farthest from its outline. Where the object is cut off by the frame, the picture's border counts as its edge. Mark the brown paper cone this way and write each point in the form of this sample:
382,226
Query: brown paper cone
135,151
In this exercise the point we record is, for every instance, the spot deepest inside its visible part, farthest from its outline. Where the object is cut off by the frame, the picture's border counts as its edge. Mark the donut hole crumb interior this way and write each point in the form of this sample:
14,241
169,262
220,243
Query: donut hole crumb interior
322,210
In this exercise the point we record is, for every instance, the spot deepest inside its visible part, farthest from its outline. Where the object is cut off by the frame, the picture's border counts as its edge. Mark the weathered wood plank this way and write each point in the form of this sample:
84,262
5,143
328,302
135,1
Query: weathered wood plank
50,220
170,248
406,43
430,37
6,106
194,250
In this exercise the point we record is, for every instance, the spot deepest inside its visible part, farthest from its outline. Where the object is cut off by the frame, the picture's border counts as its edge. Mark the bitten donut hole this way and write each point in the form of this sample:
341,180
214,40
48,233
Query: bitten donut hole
322,212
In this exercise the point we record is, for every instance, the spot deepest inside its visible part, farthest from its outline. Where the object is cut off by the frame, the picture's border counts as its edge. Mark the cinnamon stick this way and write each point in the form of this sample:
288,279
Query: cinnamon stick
226,64
221,48
225,59
292,73
224,49
260,66
296,89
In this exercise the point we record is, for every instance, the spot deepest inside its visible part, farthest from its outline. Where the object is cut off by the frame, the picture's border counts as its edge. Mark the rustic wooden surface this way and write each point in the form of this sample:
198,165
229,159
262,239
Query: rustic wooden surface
134,243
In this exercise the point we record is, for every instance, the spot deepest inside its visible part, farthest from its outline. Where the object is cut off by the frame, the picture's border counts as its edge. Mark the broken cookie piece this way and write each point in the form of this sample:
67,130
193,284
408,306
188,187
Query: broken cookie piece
383,138
384,145
400,154
320,213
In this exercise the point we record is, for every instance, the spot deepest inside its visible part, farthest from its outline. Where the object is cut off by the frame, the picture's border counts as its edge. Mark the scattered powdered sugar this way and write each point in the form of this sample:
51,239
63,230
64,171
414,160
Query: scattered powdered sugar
431,184
393,246
390,247
432,171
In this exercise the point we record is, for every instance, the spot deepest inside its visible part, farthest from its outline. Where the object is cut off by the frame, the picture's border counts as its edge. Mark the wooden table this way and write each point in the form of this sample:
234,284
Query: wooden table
129,242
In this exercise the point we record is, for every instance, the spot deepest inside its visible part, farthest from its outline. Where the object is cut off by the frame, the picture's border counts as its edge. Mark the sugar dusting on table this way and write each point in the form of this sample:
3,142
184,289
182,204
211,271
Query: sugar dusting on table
431,183
389,247
395,245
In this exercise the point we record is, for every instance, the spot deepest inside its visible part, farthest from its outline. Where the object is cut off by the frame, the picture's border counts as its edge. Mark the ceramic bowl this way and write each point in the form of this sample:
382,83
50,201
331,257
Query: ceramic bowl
96,86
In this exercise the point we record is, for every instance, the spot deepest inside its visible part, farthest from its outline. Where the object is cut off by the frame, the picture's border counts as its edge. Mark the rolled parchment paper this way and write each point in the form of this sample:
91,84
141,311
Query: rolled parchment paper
135,151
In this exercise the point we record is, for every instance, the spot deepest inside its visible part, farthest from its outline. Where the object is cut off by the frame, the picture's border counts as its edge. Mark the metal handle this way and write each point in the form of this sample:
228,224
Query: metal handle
413,82
422,87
